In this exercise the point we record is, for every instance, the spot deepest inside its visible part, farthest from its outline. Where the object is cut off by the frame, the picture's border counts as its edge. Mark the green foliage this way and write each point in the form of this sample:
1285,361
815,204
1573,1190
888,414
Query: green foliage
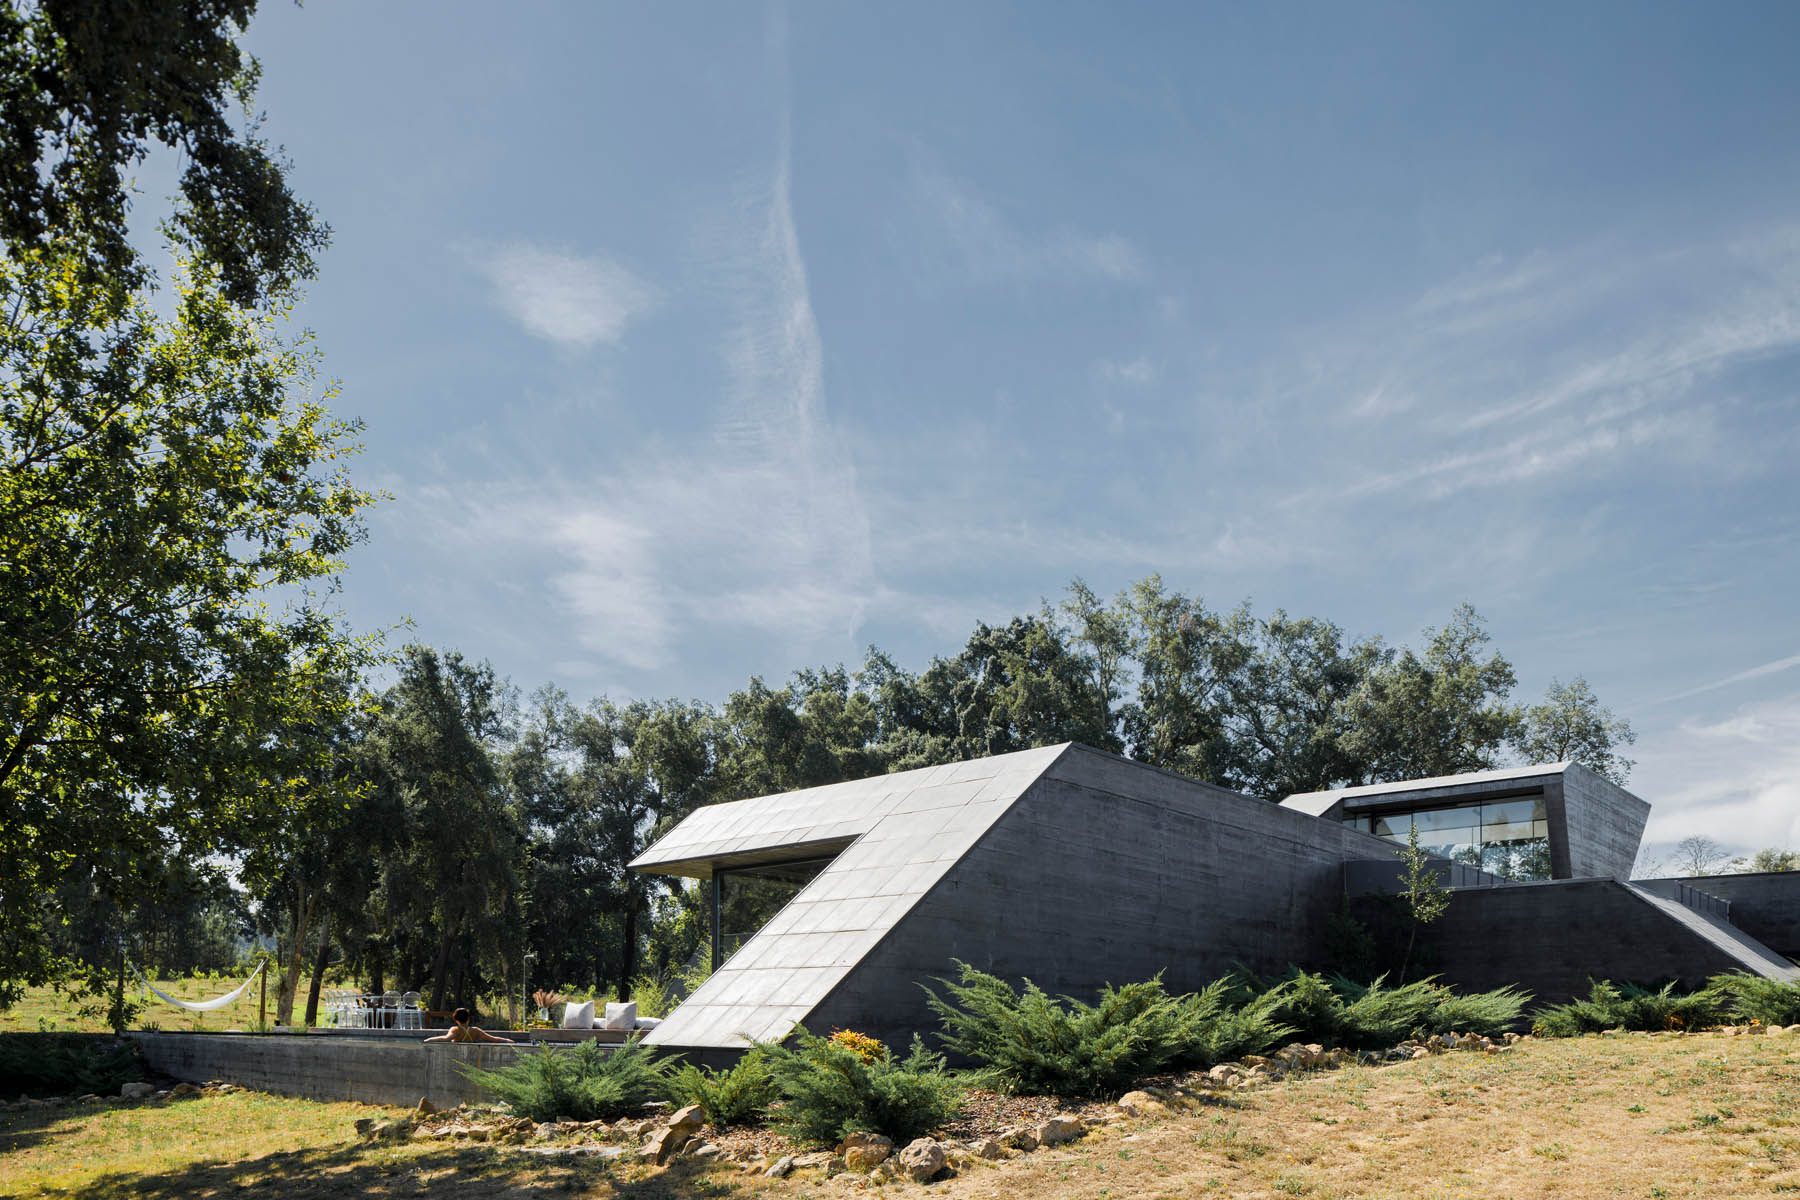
739,1095
828,1091
89,85
1571,725
1029,1041
1339,1011
1746,997
51,1064
590,1082
163,484
1628,1006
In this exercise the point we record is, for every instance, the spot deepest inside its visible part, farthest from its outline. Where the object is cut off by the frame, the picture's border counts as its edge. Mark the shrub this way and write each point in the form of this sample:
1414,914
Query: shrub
1029,1041
1627,1006
1484,1014
588,1083
740,1095
865,1047
1340,1011
828,1091
66,1064
1220,1030
1750,997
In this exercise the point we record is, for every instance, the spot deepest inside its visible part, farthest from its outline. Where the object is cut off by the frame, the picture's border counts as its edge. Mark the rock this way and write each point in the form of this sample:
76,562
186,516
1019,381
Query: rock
639,1129
921,1159
986,1148
699,1149
90,1098
1142,1104
1059,1129
1020,1139
665,1144
690,1118
364,1125
1421,1052
136,1091
545,1131
1221,1073
425,1108
811,1159
863,1152
780,1167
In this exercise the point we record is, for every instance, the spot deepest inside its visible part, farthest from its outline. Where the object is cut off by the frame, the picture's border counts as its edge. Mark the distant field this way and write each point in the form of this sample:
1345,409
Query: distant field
44,1009
1639,1116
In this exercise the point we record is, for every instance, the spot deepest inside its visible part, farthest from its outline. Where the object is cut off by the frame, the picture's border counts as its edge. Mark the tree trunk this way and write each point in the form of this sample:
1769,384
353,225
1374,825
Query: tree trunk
318,975
299,925
440,975
628,955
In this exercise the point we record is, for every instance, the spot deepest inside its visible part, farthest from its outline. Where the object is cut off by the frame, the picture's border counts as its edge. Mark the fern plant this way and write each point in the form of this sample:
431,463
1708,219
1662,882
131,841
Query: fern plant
829,1091
739,1095
588,1083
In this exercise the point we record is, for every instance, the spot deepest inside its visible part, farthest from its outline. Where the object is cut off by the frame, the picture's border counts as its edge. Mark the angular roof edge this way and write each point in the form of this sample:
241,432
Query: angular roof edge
1320,802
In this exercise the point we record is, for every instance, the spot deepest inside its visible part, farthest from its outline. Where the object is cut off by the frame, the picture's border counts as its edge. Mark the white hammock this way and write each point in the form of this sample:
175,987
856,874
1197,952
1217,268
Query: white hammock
203,1005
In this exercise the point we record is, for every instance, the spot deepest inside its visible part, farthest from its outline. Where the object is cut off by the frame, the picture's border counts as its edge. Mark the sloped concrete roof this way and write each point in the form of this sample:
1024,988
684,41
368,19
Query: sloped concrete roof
1317,803
900,834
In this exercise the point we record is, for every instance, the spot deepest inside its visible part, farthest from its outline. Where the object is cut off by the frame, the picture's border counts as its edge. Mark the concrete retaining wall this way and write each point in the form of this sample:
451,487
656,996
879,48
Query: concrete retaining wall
375,1071
1766,905
1551,938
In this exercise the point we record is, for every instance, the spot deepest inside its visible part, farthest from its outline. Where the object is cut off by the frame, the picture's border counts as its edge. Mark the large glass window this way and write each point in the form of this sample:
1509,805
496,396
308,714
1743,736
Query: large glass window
1507,837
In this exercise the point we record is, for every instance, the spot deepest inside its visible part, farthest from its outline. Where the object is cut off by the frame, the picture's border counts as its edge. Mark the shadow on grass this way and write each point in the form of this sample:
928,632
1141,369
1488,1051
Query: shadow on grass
377,1172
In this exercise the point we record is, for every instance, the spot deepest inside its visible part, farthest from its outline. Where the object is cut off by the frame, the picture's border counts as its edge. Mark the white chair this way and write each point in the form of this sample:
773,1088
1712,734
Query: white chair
412,1014
389,1015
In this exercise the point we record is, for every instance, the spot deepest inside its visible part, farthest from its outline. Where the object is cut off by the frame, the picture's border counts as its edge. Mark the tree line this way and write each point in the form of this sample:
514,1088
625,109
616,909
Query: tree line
469,826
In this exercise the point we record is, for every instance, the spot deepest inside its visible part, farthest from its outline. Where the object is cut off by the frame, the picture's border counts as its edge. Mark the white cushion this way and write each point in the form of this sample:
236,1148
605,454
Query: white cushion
578,1016
648,1022
621,1016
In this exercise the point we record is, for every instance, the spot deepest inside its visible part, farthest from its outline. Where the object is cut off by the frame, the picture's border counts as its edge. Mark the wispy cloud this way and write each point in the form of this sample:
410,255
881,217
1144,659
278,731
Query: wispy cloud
1138,372
989,248
573,300
1736,780
756,525
1768,668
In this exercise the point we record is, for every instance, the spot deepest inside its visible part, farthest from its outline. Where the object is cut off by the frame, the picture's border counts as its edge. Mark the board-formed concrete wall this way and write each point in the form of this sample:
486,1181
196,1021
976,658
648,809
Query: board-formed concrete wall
1107,871
1551,938
1603,824
329,1068
1764,905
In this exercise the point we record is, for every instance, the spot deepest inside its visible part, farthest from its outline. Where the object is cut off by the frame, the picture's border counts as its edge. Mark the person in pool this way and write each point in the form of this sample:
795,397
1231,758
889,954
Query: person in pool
462,1031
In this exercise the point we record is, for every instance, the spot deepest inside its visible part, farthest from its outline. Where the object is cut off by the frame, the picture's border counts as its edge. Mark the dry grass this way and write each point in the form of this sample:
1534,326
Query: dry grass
1700,1116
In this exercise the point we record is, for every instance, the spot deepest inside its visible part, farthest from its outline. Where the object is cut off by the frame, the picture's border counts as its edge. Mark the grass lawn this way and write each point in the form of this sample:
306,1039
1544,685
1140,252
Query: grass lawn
44,1009
1643,1116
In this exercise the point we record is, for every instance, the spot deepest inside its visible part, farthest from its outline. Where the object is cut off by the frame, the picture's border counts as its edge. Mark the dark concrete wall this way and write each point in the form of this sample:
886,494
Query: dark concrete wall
1107,871
1765,906
1551,938
1605,823
328,1068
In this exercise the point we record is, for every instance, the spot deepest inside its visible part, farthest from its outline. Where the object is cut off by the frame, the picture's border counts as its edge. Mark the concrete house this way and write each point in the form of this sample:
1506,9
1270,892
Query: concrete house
1075,868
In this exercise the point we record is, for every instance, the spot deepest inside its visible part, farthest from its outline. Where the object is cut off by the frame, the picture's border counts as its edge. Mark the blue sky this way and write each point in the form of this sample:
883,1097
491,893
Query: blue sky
703,341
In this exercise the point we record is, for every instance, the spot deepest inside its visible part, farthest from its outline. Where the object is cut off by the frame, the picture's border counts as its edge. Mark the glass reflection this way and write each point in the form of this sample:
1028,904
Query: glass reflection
1506,837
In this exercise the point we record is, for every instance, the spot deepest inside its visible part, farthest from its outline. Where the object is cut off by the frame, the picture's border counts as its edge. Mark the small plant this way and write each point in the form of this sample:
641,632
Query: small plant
740,1095
652,995
828,1091
587,1083
1423,892
861,1044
